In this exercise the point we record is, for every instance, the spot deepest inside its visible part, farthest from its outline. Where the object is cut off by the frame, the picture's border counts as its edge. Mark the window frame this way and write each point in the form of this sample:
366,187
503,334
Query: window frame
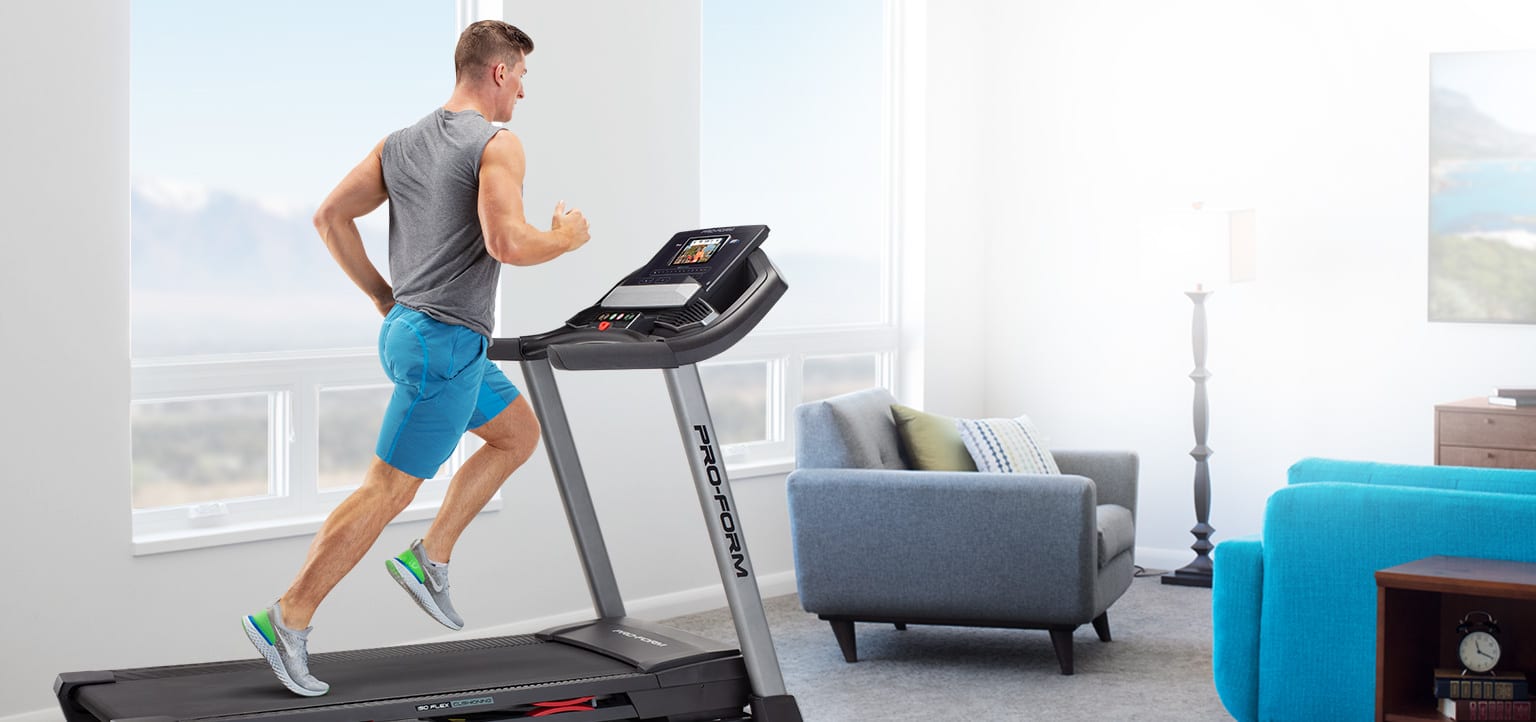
785,353
297,505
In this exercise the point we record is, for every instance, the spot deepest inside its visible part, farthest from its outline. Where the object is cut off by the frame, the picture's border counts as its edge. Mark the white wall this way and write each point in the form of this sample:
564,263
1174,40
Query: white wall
1106,113
64,435
954,340
619,143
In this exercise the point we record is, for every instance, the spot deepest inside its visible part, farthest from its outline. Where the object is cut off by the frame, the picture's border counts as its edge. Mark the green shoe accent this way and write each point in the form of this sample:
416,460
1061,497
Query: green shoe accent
263,622
410,562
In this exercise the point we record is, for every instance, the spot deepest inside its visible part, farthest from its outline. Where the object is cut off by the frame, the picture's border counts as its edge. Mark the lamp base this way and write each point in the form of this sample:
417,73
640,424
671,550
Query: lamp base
1196,574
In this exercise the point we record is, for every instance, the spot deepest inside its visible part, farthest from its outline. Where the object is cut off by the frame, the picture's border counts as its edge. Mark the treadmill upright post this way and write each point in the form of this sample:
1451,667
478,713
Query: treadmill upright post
572,482
725,534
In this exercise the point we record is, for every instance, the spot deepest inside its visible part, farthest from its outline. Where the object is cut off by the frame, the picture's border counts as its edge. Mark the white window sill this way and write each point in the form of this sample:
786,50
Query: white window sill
760,469
147,544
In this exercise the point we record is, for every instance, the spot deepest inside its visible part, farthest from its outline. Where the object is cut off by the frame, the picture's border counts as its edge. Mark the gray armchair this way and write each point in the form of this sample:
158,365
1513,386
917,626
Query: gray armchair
876,542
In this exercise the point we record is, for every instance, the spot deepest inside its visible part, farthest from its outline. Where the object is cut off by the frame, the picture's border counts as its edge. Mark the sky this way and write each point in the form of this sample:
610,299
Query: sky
1499,83
241,97
276,101
279,99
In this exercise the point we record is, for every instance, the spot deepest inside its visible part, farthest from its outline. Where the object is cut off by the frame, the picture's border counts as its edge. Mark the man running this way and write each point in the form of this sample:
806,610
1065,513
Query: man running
454,184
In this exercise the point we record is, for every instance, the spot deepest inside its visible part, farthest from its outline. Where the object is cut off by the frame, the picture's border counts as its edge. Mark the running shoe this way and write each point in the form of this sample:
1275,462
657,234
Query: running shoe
285,649
427,583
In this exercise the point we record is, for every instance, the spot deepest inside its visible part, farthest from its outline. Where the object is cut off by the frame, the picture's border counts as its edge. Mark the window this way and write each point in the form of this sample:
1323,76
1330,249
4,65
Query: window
348,419
827,376
257,391
202,450
738,400
799,92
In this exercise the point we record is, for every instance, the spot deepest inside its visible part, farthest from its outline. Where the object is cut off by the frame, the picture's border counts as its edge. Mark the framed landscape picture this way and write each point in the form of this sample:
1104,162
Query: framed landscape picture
1482,187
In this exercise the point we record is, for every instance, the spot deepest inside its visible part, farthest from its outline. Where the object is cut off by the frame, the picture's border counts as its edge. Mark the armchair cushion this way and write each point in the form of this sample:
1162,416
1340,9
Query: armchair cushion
931,442
852,431
1117,531
1004,446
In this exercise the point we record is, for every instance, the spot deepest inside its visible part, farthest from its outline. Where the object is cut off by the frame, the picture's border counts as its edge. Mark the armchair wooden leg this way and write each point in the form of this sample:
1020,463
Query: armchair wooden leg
845,639
1062,640
1101,625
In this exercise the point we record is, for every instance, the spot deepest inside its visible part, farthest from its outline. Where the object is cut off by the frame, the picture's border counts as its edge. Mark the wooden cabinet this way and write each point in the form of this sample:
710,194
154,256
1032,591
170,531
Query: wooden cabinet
1476,433
1418,605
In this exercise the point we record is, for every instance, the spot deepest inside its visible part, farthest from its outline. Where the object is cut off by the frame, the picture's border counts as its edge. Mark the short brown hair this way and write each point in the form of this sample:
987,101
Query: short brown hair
489,42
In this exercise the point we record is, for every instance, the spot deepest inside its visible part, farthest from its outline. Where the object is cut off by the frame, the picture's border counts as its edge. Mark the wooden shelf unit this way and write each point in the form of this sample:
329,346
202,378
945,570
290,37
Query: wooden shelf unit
1474,432
1418,606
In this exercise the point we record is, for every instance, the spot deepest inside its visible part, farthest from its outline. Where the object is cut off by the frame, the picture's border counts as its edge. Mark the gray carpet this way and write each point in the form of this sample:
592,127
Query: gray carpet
1157,668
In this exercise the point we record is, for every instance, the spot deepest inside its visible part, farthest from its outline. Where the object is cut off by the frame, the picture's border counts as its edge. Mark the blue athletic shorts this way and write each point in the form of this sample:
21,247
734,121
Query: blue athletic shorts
444,386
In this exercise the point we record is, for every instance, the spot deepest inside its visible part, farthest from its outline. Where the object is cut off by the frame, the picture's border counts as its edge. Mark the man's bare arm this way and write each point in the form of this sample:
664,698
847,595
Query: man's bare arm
356,196
509,238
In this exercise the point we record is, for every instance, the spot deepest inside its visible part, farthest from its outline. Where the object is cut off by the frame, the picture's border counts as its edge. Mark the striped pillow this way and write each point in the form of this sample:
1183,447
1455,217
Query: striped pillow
1009,446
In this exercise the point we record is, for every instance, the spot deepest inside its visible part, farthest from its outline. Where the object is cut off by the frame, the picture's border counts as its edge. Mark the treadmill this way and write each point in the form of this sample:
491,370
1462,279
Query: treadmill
696,297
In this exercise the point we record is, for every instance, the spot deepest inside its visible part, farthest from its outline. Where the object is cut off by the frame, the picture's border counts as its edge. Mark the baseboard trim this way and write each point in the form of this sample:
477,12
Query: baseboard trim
50,714
662,606
1156,558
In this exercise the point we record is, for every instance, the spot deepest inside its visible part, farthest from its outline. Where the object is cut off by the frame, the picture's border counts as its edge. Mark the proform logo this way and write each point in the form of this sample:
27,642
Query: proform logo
638,638
727,515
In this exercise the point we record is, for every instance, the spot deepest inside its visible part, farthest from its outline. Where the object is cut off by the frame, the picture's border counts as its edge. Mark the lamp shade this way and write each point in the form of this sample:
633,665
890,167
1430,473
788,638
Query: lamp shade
1212,246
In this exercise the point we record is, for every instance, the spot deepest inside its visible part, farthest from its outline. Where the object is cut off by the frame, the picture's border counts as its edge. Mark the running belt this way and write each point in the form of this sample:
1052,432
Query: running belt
504,674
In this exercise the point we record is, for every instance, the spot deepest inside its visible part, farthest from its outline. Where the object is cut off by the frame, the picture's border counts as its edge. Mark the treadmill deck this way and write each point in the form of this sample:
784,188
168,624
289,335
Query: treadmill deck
388,680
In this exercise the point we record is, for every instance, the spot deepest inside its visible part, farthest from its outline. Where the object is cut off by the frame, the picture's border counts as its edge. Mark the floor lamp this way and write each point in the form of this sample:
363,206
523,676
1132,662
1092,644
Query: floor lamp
1223,250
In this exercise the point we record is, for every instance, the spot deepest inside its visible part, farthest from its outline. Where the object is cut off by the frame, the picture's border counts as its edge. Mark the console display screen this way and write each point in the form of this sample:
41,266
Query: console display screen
698,250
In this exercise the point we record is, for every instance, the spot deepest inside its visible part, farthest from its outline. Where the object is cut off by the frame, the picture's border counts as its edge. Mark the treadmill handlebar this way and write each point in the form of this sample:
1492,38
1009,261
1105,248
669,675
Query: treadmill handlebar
579,349
533,346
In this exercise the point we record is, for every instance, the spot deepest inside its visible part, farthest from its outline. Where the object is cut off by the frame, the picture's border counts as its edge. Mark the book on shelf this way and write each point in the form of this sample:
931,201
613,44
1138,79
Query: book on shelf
1483,709
1516,401
1515,393
1501,686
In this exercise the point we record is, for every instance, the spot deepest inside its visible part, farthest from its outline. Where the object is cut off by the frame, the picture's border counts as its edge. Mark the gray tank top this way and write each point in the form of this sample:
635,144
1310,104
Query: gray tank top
437,258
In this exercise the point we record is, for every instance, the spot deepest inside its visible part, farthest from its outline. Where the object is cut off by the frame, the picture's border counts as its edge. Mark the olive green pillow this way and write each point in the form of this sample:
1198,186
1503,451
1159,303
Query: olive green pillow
931,442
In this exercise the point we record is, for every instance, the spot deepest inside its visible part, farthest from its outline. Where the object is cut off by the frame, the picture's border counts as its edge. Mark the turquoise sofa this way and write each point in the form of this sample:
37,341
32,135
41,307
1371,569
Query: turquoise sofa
1294,608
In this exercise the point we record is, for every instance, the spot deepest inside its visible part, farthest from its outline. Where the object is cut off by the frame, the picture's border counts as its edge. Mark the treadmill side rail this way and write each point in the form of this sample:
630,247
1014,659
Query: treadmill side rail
65,685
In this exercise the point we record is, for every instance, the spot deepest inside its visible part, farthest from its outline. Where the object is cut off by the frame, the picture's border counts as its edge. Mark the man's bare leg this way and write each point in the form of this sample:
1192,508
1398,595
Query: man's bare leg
346,536
510,439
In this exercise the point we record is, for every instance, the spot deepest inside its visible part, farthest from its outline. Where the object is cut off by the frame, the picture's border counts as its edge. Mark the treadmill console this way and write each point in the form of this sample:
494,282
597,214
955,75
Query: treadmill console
691,263
699,294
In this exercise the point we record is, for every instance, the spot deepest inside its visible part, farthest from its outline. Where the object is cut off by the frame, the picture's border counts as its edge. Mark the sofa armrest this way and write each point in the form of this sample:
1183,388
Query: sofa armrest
1113,472
959,545
1323,543
1237,585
